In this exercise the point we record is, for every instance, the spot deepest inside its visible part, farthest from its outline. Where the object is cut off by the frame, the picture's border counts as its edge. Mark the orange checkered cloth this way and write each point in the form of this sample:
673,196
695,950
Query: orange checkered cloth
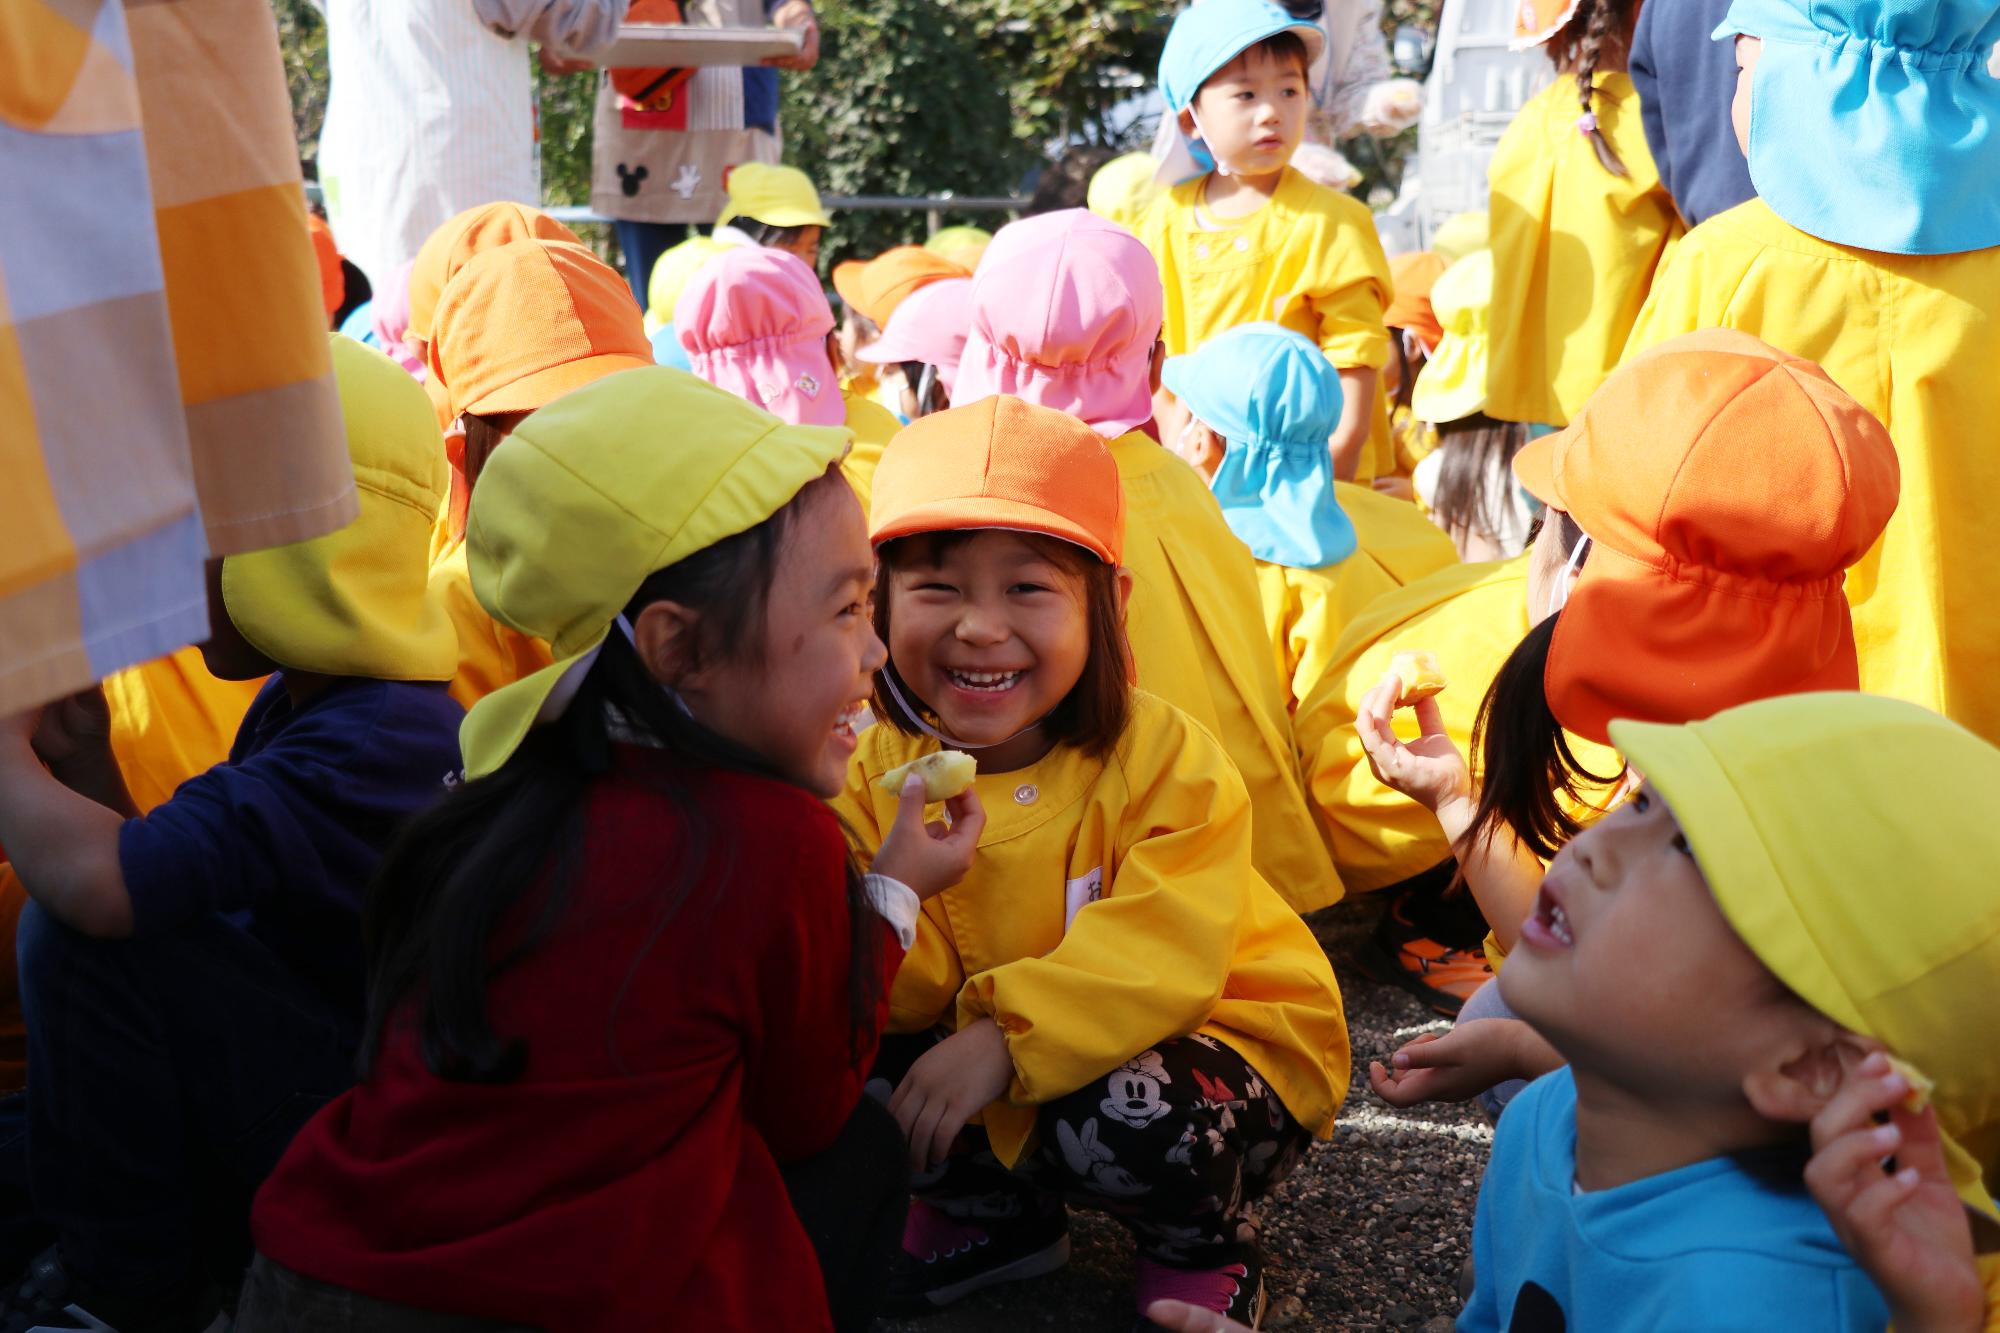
166,391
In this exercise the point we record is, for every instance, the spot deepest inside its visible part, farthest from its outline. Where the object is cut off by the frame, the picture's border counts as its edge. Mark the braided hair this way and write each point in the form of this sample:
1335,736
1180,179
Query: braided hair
1596,25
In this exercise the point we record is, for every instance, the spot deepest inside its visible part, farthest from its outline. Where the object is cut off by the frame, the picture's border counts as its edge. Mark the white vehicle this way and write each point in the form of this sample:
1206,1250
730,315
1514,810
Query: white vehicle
1474,87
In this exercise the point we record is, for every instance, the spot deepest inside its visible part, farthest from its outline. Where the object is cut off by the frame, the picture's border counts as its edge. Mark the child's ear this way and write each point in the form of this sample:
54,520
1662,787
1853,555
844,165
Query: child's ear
1124,591
1153,371
665,636
1796,1089
1185,119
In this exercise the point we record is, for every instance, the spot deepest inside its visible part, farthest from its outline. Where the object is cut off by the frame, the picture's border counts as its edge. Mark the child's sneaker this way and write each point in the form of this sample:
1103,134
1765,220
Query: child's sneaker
1399,954
945,1260
46,1299
1235,1291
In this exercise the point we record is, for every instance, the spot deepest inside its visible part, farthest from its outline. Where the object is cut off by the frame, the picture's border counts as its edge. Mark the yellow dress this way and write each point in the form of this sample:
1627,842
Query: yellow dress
1112,905
1198,638
1575,249
1306,609
1310,259
1916,340
873,426
490,654
171,720
1472,617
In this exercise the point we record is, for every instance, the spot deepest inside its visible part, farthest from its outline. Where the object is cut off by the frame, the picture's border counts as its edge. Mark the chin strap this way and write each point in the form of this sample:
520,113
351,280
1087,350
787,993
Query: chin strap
916,718
1559,594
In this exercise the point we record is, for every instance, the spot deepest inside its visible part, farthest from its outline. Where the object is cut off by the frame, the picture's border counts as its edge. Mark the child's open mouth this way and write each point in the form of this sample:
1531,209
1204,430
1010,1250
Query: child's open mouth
1548,925
984,682
848,727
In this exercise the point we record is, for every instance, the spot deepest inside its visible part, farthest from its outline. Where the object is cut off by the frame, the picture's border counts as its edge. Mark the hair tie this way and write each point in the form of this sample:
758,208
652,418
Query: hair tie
1586,124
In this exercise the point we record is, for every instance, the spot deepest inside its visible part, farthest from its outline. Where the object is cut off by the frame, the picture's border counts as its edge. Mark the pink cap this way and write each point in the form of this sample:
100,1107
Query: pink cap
754,322
1066,308
392,319
929,326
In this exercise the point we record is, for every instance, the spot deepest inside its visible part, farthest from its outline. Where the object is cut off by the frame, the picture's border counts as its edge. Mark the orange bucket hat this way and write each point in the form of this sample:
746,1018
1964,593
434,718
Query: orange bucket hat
522,325
1725,487
1001,463
446,251
1413,275
877,286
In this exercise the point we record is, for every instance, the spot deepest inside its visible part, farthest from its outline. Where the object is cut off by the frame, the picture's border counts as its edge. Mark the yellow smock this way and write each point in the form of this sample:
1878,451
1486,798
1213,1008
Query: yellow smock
1112,906
171,720
1306,609
490,654
1472,616
1575,249
873,426
1309,259
1198,639
1916,340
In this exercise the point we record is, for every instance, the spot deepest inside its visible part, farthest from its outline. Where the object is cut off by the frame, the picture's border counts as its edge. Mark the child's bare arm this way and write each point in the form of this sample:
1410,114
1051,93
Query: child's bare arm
1457,1065
1357,416
63,845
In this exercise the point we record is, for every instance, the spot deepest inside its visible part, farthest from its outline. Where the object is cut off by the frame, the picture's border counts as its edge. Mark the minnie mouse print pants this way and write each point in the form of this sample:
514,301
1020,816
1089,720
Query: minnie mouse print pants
1175,1143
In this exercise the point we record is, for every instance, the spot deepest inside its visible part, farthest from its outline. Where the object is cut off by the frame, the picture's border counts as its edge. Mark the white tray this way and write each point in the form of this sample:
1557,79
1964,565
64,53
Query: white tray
676,46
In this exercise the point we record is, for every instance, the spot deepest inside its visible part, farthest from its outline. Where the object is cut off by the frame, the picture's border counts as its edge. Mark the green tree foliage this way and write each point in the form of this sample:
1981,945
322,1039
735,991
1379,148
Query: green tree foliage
902,102
1069,62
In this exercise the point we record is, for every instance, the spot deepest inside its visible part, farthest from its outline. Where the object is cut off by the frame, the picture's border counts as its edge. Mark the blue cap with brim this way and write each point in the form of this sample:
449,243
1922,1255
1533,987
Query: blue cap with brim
1901,110
1211,33
1275,400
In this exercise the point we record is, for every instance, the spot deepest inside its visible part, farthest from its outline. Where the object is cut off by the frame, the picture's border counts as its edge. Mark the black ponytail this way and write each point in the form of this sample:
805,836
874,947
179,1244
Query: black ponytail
1525,768
460,868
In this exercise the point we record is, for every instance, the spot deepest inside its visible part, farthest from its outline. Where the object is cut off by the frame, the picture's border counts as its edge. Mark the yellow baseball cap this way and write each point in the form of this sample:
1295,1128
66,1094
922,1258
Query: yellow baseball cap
773,195
357,602
1851,843
595,492
1452,383
1124,188
1461,233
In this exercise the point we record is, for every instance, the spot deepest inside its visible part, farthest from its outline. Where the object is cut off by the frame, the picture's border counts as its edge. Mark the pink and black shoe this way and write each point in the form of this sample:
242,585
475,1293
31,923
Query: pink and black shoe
1235,1291
945,1260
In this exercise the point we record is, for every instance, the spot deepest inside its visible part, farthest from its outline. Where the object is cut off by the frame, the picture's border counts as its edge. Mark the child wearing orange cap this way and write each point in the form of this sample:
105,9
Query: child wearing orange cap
625,980
1162,1036
1252,238
192,977
518,326
1580,221
1873,247
757,323
1066,314
1677,601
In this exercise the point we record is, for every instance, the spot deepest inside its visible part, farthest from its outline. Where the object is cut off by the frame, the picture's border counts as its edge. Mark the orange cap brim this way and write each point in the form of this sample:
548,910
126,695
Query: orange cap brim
532,392
976,512
1535,469
847,282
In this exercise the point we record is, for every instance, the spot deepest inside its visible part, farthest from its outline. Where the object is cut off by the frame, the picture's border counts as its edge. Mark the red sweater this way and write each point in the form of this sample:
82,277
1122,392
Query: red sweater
629,1179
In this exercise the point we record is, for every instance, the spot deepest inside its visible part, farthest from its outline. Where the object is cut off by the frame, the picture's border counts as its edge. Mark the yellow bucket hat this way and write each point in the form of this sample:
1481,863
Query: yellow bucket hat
598,490
1124,188
1851,843
1452,383
1461,234
357,602
773,195
671,272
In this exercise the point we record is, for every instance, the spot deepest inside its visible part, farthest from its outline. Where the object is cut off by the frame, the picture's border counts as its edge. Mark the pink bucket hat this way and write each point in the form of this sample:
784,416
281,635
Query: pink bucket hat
754,322
1066,308
929,326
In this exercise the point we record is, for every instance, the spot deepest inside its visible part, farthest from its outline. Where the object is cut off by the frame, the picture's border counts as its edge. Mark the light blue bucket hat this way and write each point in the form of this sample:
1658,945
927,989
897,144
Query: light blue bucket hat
1901,112
1274,398
1211,33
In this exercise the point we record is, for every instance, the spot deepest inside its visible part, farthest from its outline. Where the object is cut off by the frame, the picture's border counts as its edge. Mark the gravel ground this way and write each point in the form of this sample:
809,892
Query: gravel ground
1369,1233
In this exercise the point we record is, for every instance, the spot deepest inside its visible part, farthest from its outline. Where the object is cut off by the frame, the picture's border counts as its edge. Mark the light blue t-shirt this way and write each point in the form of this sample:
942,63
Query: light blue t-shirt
1721,1245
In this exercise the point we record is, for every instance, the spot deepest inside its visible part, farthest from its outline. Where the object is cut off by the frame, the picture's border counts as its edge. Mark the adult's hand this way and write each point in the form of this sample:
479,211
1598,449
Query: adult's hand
797,14
556,67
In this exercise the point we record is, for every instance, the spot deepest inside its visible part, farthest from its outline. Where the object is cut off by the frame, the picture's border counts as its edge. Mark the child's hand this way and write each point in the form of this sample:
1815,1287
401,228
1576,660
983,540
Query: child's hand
1428,770
78,727
1909,1230
932,857
1180,1317
1462,1063
947,1086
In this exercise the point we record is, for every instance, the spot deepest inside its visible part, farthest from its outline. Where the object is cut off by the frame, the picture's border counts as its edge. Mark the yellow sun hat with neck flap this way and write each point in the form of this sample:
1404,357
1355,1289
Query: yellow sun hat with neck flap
357,601
593,493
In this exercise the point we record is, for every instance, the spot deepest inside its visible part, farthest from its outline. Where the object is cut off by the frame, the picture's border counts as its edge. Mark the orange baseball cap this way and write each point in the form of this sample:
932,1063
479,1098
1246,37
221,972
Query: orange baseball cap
877,286
521,325
1001,463
1414,275
332,278
446,250
1725,486
1536,21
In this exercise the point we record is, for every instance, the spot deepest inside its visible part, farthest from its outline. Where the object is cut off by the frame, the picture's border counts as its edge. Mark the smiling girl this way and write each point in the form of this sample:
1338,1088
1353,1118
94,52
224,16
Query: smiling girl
1139,1021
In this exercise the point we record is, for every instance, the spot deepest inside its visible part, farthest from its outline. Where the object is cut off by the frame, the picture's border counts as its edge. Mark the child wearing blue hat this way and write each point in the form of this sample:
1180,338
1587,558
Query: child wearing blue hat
1264,401
1253,239
1877,254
